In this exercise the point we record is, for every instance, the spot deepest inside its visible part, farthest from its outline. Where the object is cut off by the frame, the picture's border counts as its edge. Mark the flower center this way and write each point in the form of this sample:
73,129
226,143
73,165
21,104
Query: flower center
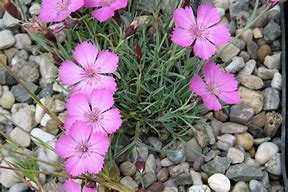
199,33
213,88
83,148
93,116
109,2
90,73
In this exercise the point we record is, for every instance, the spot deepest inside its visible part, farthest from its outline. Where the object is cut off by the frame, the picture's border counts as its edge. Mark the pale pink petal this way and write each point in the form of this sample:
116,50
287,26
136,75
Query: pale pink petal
75,5
61,15
198,86
102,99
227,82
85,54
212,72
48,12
211,102
71,186
230,97
69,73
94,163
93,3
218,34
119,4
204,49
69,120
184,17
75,165
107,62
182,37
111,120
79,131
207,16
99,143
77,105
65,146
103,13
107,82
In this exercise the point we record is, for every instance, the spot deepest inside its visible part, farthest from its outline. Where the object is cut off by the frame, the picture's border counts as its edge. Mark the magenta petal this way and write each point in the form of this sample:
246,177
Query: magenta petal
111,120
48,12
99,143
107,82
211,102
212,72
75,5
182,37
119,4
85,54
103,13
184,17
86,189
207,16
204,49
77,105
69,120
71,186
75,165
227,82
102,99
65,146
107,62
218,34
79,131
94,163
93,3
230,97
69,73
198,86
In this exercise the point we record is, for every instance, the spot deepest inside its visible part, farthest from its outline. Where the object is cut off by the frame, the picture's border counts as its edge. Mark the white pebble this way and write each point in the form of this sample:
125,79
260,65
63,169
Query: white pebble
7,99
277,81
265,152
20,137
219,183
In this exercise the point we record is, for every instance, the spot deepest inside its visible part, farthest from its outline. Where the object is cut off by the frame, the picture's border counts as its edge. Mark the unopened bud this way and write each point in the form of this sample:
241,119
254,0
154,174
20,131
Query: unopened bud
137,52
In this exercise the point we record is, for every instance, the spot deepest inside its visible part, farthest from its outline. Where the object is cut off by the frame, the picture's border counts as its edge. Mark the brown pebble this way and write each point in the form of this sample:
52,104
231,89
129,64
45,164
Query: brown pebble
156,187
245,140
263,51
220,115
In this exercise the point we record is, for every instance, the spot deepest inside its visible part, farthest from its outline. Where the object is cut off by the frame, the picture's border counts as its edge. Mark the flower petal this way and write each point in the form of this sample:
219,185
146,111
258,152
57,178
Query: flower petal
232,97
94,163
212,72
79,131
218,34
99,143
93,3
102,99
182,37
69,73
107,62
184,17
75,165
107,82
119,4
75,5
71,186
65,146
204,49
227,82
85,54
103,13
48,12
111,120
207,16
69,120
211,102
198,86
77,105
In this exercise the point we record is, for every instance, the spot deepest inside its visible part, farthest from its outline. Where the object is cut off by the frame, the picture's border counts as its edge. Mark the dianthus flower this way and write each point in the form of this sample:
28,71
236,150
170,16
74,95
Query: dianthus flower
219,84
108,7
71,186
95,111
82,149
90,73
204,33
58,10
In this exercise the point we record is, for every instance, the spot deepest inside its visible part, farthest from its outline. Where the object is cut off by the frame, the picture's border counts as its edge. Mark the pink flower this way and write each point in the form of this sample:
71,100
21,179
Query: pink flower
83,150
108,7
219,84
274,1
204,33
95,111
58,10
89,74
71,186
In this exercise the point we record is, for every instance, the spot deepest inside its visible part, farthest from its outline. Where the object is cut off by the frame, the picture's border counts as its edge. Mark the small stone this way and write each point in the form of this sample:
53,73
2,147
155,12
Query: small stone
44,136
224,4
3,59
48,70
261,140
216,126
241,113
227,138
276,46
129,182
265,73
155,142
220,115
27,71
255,186
264,51
239,43
272,123
211,155
219,183
271,31
236,65
174,171
245,140
20,137
150,164
22,40
21,95
177,156
235,155
192,150
276,82
23,114
35,9
252,82
244,172
6,39
223,146
39,112
141,152
251,98
47,155
273,61
248,69
258,121
156,187
170,189
7,99
252,49
229,52
201,138
45,119
245,55
265,152
166,162
246,35
162,174
199,188
230,127
277,188
2,10
8,178
271,99
273,166
183,179
127,168
149,178
217,165
257,33
9,21
19,187
196,177
210,134
45,92
240,186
